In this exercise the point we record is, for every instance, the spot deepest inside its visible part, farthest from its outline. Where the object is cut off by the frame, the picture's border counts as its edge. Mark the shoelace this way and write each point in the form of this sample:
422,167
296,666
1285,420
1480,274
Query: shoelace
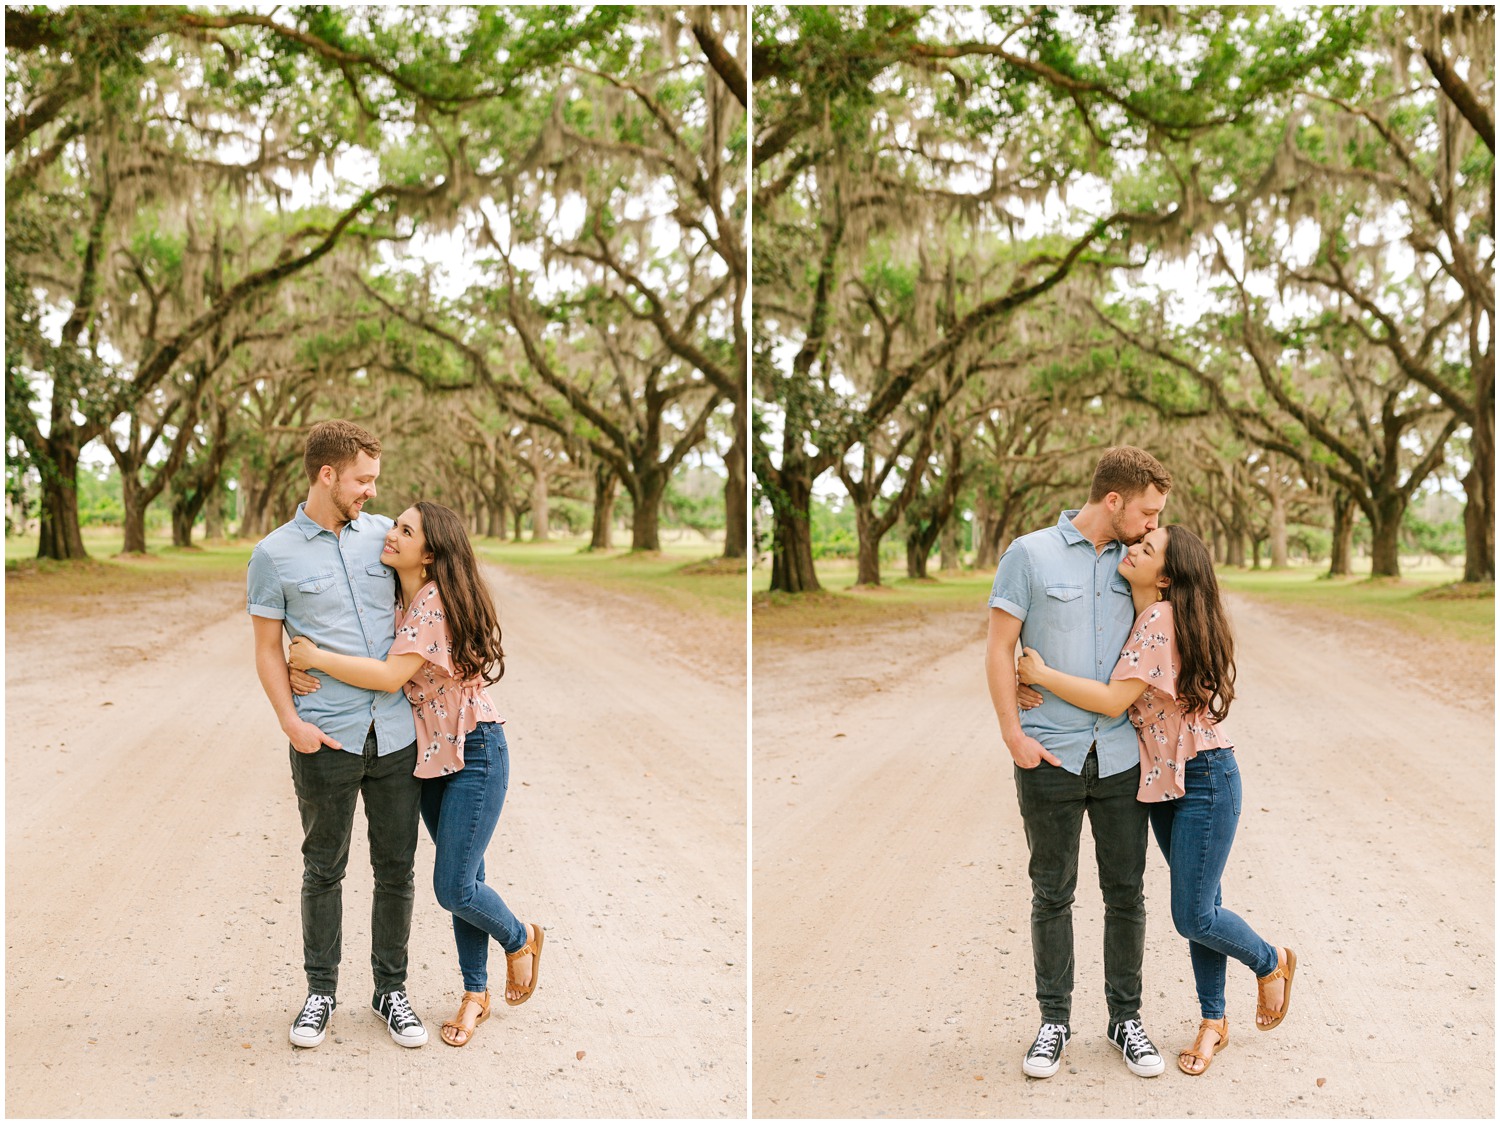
401,1013
312,1010
1135,1038
1046,1038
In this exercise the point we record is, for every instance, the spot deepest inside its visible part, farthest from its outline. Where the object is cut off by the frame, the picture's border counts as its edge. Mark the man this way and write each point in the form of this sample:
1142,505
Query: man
321,576
1057,591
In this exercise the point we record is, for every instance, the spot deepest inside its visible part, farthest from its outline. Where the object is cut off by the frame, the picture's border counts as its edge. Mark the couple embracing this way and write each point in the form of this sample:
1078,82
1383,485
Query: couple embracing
1130,662
396,619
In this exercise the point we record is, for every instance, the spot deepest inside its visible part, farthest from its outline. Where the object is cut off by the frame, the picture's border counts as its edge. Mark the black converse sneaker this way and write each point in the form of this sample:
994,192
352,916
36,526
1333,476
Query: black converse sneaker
311,1024
1140,1056
406,1029
1045,1055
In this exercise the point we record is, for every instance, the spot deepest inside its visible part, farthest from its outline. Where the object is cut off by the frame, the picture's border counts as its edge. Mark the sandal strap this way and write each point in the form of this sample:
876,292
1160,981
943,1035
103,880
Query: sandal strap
480,999
1220,1027
529,948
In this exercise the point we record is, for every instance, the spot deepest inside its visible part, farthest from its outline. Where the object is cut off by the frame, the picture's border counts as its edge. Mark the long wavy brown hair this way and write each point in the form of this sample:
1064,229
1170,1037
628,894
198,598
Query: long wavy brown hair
1204,642
473,623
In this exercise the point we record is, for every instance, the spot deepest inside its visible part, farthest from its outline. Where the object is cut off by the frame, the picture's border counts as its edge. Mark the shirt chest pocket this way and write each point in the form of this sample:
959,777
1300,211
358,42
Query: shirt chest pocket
318,597
377,587
1067,609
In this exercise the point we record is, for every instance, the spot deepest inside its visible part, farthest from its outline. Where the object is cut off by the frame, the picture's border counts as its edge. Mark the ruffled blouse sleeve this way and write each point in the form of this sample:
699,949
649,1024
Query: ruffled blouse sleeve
424,630
1151,651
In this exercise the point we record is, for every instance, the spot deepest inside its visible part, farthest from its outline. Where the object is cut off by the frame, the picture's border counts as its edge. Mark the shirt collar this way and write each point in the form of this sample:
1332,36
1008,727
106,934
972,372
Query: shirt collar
1072,536
1070,533
310,527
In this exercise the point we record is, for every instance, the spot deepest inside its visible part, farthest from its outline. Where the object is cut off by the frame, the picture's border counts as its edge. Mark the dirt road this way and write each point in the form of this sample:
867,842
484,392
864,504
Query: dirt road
153,946
892,960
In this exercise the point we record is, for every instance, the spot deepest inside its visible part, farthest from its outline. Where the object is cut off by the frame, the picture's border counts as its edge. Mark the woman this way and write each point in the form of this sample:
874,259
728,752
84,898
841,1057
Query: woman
447,650
1176,675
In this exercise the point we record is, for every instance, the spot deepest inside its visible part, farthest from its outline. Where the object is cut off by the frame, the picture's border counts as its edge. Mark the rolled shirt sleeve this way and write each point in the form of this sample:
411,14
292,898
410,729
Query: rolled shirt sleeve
264,596
1011,590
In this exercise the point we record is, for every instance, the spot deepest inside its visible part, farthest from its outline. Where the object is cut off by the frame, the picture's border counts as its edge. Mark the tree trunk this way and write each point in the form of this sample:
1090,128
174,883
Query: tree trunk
645,522
869,543
497,528
605,485
736,501
986,540
918,549
540,528
1479,486
133,499
950,558
791,542
61,536
1234,552
184,515
1385,537
1345,512
213,514
1278,528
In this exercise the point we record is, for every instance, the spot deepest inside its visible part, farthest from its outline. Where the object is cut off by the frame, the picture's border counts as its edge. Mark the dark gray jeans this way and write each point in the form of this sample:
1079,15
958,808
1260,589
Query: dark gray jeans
1053,803
327,784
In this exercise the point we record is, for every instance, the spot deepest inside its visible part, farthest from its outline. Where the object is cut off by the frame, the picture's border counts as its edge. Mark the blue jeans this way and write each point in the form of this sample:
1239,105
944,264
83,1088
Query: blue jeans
1195,833
461,811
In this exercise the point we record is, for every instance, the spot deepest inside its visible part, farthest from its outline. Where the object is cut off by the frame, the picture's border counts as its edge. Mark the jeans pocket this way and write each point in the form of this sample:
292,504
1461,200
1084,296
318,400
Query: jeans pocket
1232,783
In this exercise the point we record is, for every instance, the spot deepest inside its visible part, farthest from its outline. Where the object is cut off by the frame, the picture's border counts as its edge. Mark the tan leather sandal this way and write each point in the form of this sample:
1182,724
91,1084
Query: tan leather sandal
456,1026
533,946
1201,1049
1286,968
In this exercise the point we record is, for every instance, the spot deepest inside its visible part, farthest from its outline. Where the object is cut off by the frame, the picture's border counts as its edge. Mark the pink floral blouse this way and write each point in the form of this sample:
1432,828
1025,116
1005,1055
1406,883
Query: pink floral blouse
1169,736
446,710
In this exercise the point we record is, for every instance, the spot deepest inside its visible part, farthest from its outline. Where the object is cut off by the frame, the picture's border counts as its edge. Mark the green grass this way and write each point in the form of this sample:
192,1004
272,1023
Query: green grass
668,577
781,614
1399,602
33,584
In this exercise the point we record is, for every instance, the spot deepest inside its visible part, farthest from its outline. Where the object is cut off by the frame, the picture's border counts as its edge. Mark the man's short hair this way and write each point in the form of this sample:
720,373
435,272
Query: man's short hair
1128,471
336,443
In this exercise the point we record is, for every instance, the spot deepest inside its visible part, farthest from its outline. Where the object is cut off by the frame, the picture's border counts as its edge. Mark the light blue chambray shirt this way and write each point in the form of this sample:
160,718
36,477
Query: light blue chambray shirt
334,590
1077,612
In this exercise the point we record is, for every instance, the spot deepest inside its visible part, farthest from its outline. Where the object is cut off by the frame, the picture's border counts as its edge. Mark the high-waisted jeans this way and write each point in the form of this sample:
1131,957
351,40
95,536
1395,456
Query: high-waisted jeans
1053,802
461,811
1195,833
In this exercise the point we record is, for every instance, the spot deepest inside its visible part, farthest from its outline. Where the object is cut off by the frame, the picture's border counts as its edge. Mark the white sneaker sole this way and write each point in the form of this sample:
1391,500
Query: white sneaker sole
1147,1069
1037,1069
306,1041
411,1043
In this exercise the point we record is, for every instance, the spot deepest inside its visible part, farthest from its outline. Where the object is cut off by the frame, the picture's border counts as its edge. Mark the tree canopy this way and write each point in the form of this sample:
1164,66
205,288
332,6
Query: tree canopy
1257,240
510,239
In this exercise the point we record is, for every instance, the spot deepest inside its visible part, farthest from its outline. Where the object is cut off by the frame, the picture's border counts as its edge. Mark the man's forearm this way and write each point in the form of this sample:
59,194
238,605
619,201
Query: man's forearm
1001,674
271,668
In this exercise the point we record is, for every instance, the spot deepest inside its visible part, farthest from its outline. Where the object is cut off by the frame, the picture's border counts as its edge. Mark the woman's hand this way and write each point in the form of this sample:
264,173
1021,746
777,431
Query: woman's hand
303,654
1032,667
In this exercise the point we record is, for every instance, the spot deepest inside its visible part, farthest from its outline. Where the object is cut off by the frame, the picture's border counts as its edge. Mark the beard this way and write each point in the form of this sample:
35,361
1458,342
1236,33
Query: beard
1117,529
345,505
